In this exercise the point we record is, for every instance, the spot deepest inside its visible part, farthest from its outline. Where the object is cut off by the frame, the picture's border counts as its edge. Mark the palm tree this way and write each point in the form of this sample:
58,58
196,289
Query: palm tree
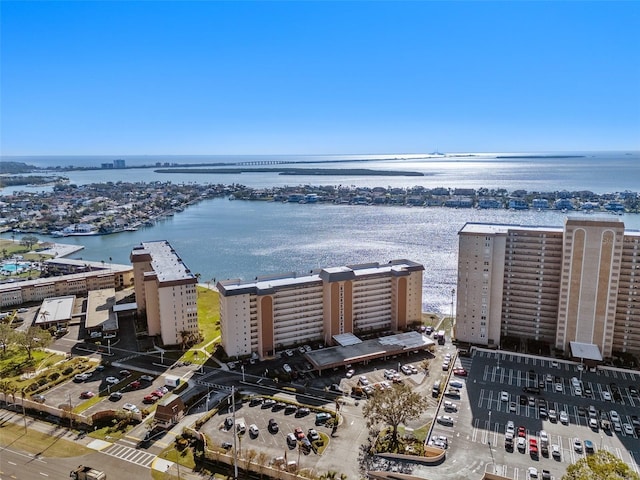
44,316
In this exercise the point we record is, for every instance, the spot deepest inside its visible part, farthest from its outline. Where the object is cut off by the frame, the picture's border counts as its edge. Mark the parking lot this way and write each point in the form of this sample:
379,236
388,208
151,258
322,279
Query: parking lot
494,394
70,393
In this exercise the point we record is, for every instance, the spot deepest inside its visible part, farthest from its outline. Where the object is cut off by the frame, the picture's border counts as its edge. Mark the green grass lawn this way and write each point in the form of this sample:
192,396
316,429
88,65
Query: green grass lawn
208,314
44,444
184,458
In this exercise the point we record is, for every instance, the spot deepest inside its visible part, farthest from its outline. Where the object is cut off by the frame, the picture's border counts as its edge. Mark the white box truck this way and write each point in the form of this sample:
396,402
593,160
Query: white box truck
171,381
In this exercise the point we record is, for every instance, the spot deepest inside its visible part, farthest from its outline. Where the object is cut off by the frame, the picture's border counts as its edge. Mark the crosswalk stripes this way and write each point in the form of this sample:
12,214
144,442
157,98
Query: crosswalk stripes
130,454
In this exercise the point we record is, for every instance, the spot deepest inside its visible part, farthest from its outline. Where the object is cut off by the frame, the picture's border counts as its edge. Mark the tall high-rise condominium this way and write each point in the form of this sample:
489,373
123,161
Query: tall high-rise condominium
556,285
165,292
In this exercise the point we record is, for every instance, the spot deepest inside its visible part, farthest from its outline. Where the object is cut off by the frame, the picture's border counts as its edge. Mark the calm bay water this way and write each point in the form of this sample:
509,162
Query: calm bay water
237,239
595,171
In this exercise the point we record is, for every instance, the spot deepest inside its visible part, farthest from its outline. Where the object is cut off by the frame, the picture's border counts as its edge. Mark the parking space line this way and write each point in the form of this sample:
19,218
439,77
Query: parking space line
474,434
481,398
485,432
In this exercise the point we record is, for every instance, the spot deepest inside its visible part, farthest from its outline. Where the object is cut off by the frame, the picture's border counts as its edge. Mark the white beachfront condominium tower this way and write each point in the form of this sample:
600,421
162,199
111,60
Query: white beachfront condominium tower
165,292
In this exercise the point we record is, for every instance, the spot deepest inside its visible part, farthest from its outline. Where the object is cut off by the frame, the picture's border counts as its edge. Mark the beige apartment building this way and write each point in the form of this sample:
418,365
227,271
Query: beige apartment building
557,285
75,278
165,292
276,312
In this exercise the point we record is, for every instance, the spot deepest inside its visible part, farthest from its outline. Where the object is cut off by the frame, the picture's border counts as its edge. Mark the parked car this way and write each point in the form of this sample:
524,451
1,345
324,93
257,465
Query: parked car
577,445
115,396
450,407
313,434
533,447
87,394
504,396
460,372
130,407
38,398
112,380
146,378
253,430
81,377
456,384
273,425
445,420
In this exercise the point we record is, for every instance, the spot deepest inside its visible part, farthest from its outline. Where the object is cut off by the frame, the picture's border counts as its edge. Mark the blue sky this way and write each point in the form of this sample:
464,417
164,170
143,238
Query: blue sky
304,77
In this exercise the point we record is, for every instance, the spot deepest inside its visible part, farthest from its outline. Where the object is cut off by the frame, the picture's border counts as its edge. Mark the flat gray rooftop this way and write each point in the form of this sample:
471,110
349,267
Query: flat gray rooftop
368,350
586,351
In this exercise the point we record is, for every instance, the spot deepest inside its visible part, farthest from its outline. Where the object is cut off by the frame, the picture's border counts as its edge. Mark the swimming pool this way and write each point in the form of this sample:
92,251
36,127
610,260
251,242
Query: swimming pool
9,268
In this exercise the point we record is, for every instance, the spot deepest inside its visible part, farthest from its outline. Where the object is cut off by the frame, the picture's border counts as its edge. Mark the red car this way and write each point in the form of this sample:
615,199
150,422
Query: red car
87,394
522,432
299,433
460,371
533,447
135,385
151,398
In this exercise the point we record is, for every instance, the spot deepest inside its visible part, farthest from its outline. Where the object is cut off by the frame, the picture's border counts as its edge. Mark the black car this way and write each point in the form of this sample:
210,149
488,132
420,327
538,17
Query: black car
228,423
268,403
289,409
273,426
523,399
226,445
255,401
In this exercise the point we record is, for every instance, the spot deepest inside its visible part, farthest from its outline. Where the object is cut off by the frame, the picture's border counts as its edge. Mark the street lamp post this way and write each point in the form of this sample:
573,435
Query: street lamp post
453,293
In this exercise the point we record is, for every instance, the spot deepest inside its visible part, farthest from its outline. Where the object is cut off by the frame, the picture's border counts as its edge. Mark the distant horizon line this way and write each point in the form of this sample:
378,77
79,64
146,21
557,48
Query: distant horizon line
435,153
